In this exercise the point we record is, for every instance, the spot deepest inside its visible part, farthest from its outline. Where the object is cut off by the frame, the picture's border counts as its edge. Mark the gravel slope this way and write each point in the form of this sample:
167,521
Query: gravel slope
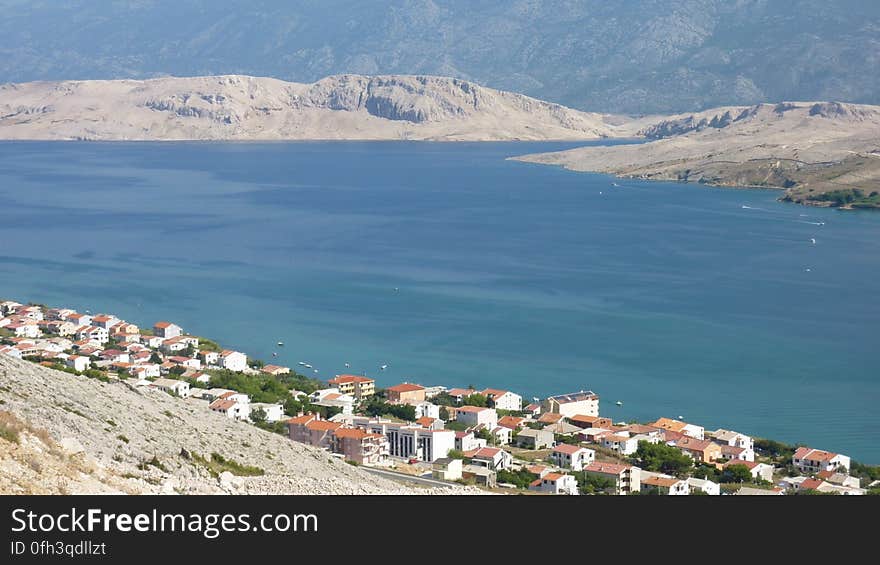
84,436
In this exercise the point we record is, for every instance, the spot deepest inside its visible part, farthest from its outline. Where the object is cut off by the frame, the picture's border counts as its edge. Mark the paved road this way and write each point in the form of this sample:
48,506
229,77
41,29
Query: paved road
403,477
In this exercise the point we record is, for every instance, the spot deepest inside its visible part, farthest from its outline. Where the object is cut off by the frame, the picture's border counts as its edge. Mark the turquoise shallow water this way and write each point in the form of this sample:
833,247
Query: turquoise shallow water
675,299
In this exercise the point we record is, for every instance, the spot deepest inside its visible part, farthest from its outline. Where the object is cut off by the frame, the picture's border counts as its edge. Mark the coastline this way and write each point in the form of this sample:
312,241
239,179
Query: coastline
676,431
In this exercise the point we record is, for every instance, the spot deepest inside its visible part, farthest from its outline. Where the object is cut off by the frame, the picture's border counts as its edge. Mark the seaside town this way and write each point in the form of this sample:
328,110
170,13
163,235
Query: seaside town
488,437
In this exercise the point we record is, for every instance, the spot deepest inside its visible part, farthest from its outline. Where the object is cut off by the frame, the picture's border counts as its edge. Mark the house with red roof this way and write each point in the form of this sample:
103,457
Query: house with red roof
555,483
572,457
166,330
405,393
626,478
357,386
809,460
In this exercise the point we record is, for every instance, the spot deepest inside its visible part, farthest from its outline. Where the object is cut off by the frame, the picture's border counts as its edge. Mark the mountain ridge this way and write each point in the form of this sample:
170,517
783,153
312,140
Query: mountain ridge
238,107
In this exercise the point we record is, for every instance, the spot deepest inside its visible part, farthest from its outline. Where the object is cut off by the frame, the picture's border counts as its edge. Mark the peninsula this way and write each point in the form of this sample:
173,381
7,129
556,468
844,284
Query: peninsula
819,153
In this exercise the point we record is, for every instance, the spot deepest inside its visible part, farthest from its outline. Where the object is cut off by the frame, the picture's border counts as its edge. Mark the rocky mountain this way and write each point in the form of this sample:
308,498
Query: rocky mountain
626,56
64,434
820,153
249,108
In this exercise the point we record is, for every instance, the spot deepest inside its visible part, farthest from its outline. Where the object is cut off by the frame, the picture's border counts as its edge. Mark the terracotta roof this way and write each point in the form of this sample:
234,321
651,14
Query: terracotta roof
660,481
814,454
353,433
323,425
405,387
222,404
607,468
511,422
552,477
425,421
567,448
162,325
550,418
810,484
483,453
343,379
304,419
669,424
460,392
472,409
493,392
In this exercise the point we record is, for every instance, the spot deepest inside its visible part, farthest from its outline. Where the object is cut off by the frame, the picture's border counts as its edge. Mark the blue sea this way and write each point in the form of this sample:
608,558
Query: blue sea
454,266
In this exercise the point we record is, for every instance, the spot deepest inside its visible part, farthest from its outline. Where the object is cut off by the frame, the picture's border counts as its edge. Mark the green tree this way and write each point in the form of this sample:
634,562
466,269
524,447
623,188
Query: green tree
258,416
155,358
475,399
455,454
444,413
662,458
736,474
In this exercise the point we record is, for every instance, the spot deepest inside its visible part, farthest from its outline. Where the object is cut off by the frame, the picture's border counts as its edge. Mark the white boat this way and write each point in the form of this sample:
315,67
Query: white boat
280,344
302,363
307,366
274,354
619,403
348,364
813,240
315,371
383,367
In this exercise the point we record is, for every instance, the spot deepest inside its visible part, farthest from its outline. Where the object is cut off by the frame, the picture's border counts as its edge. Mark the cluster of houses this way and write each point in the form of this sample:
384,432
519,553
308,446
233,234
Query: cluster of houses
484,442
468,442
164,358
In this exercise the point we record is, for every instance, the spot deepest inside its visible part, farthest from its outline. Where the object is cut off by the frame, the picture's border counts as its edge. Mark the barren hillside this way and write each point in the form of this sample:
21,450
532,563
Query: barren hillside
250,108
63,434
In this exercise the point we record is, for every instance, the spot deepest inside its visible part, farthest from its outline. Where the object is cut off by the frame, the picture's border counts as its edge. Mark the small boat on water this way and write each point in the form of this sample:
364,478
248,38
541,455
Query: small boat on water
348,364
813,240
619,403
274,354
307,366
315,371
280,344
383,367
302,363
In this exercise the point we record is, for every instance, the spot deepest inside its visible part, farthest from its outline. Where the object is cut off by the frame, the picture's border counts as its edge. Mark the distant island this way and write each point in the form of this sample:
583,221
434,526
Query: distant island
819,153
245,108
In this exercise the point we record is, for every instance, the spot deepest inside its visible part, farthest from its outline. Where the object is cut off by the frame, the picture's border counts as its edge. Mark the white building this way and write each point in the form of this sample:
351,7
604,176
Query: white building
233,360
736,439
572,456
555,483
408,441
810,460
665,485
503,399
703,485
93,333
584,402
274,412
78,363
231,409
623,444
426,409
173,386
490,457
166,330
475,416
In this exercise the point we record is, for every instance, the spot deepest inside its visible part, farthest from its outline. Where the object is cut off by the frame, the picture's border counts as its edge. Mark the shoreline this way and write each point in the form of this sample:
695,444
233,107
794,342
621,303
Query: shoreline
169,373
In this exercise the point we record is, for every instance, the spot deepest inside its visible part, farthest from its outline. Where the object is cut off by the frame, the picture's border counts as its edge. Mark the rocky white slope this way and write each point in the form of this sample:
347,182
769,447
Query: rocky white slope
250,108
79,435
808,148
